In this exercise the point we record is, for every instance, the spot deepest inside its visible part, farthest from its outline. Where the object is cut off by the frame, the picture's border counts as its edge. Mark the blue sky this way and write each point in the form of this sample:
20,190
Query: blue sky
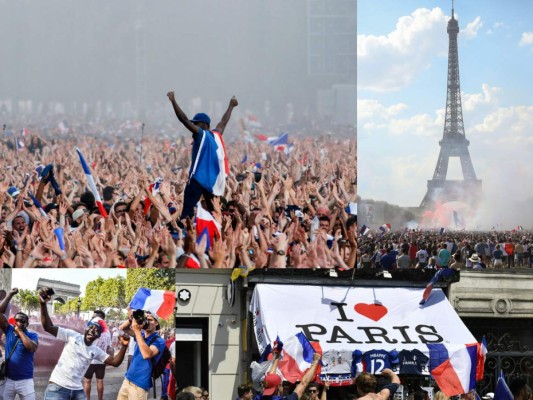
27,278
402,51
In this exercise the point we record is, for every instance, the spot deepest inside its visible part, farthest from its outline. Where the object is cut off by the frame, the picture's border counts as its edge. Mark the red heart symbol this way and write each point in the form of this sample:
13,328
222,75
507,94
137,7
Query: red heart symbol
373,311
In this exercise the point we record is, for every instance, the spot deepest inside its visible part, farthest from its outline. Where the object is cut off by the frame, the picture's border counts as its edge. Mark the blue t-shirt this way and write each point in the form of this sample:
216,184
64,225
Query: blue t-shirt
388,260
140,370
375,361
20,365
412,362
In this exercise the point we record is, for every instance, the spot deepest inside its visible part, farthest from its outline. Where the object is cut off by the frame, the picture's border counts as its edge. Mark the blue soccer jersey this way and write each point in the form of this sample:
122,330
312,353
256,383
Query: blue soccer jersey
413,362
375,361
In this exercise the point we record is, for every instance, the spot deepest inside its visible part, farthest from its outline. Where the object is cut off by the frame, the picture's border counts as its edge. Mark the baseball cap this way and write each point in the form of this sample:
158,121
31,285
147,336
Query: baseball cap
77,214
202,117
13,191
271,382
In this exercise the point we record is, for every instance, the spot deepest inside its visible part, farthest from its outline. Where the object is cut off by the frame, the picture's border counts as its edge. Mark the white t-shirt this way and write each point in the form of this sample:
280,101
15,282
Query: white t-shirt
422,256
103,342
75,359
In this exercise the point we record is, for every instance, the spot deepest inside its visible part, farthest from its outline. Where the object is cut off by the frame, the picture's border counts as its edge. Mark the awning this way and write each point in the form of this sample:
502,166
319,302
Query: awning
341,320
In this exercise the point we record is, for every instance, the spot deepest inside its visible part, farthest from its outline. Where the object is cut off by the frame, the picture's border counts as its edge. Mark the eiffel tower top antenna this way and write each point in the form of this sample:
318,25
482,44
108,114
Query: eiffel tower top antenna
453,17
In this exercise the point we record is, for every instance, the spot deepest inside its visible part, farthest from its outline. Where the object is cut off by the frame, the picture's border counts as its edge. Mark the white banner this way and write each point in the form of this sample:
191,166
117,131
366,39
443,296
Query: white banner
344,319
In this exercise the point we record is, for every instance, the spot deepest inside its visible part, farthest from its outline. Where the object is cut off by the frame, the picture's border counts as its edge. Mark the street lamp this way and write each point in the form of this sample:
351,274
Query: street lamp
79,306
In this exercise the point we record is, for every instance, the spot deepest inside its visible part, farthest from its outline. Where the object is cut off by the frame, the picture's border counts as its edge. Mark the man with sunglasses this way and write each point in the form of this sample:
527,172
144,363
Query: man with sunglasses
79,351
149,345
21,345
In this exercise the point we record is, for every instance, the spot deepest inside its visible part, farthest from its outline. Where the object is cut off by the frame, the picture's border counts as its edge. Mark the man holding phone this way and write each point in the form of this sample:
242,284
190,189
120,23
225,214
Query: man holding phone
66,381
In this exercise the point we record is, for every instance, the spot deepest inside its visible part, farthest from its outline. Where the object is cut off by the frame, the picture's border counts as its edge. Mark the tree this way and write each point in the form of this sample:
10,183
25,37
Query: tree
27,300
151,278
104,293
70,306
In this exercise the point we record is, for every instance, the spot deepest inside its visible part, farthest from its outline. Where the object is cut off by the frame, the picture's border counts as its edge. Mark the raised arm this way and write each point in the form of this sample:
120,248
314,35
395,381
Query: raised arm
181,115
3,308
116,360
46,322
227,115
308,376
29,344
391,388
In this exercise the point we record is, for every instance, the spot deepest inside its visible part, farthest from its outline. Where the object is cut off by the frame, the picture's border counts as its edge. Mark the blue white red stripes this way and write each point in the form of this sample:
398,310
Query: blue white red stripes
453,367
159,302
92,185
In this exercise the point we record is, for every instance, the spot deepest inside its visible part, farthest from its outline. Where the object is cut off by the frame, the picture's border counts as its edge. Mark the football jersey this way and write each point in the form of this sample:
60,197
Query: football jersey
413,362
375,361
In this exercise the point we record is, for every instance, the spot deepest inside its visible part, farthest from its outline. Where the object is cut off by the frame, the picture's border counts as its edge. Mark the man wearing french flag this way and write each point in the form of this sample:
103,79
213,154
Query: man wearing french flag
209,168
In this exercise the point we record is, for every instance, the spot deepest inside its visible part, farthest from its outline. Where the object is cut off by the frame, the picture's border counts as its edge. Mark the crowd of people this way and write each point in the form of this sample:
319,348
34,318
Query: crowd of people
151,355
288,205
459,249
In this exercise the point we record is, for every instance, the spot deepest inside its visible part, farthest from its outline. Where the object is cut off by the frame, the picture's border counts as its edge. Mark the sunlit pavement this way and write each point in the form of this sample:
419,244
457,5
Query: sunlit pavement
112,382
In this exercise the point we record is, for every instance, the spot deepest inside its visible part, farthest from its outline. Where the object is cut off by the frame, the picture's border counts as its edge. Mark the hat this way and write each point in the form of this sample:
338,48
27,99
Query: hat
489,395
99,323
24,215
270,384
202,117
50,206
475,258
77,214
13,191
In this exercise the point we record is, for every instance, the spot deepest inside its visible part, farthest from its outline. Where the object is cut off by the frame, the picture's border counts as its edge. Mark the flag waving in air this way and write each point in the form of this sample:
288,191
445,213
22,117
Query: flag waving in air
159,302
92,185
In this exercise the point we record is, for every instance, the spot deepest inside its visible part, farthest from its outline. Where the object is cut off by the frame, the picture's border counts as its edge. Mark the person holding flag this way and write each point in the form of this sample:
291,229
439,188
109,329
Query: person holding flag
209,167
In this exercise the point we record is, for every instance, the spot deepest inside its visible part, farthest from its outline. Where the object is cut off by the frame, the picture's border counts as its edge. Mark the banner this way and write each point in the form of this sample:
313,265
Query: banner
358,328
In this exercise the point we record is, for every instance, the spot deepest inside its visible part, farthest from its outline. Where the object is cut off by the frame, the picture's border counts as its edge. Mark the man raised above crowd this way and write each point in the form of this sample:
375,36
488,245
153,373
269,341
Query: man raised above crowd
209,165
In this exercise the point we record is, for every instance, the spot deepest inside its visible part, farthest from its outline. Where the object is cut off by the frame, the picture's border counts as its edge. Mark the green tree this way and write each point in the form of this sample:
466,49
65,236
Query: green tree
27,300
151,278
104,294
70,306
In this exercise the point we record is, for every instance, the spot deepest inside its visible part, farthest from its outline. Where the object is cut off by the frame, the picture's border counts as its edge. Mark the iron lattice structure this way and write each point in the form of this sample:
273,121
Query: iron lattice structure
454,142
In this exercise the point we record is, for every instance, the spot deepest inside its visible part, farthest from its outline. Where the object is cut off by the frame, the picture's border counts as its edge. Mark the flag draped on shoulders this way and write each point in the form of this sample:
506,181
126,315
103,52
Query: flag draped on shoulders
211,166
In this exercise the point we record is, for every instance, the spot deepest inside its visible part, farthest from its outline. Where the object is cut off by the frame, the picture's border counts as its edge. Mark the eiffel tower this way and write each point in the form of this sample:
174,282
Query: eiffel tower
454,142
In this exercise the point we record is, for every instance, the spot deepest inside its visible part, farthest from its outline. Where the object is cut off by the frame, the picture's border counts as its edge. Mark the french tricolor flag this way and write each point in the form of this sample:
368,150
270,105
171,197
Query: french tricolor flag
481,357
206,225
385,228
24,132
453,367
159,302
210,167
92,185
280,142
297,357
192,262
441,273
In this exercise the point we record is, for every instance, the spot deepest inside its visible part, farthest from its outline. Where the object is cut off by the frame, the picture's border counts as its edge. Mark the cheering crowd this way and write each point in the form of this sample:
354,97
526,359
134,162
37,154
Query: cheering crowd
121,202
459,250
86,355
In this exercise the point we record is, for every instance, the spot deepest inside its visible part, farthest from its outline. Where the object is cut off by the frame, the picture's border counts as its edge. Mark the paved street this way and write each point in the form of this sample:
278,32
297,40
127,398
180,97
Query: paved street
112,382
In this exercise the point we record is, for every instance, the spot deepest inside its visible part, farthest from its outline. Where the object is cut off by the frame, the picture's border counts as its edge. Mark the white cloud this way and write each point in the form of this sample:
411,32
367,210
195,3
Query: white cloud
488,96
526,39
516,120
472,28
418,125
391,62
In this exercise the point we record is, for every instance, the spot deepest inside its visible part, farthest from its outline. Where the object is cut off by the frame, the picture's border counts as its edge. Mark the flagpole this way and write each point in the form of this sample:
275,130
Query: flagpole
3,135
141,144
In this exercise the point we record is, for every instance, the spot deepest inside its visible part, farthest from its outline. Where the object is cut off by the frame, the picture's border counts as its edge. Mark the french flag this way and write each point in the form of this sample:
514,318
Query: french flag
481,357
502,391
365,230
92,185
192,262
24,132
453,367
441,273
385,228
297,357
351,208
154,189
159,302
279,142
211,167
206,225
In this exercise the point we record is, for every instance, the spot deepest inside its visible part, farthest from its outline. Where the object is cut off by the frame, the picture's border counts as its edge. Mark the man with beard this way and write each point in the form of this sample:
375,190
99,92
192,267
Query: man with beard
79,351
148,345
21,345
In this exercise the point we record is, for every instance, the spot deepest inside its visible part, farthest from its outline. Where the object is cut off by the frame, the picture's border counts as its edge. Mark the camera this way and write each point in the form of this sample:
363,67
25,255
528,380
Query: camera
140,317
257,176
240,177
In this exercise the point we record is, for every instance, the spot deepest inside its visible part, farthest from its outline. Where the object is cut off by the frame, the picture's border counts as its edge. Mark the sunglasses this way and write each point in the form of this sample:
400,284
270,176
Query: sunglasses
313,391
22,321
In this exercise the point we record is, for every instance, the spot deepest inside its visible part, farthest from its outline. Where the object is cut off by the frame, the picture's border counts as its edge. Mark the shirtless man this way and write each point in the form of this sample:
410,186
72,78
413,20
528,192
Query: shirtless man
366,386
